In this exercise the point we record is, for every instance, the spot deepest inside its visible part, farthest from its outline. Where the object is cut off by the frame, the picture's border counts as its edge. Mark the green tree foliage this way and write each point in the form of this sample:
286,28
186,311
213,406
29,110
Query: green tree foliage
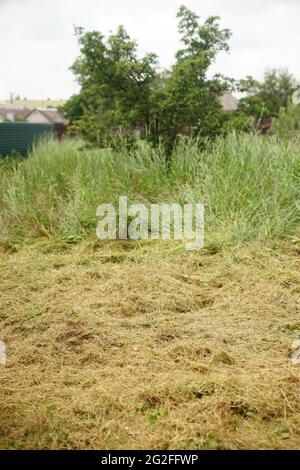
122,92
74,107
115,84
266,98
189,100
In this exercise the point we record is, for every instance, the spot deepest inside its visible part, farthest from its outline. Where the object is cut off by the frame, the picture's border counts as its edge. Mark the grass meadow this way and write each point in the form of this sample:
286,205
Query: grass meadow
249,186
141,344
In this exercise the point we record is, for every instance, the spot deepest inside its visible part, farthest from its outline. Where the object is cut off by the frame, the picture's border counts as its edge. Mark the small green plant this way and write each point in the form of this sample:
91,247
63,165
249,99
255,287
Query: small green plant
154,415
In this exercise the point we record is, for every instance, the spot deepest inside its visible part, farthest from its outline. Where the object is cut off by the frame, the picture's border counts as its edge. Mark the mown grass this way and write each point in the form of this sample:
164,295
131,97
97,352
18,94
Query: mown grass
135,345
141,344
249,185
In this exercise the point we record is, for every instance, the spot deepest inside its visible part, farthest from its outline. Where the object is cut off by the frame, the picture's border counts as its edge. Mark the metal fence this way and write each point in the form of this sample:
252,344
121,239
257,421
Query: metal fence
19,137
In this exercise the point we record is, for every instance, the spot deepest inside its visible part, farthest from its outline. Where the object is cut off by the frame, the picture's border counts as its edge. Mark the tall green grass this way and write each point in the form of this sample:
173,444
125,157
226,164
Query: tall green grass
250,186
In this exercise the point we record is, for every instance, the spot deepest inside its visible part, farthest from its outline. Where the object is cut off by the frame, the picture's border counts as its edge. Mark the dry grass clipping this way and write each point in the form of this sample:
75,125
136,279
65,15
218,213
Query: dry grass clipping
143,346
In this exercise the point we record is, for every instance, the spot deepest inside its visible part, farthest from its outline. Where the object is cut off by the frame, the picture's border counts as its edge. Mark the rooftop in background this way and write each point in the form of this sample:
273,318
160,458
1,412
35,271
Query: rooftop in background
12,107
13,112
46,115
229,102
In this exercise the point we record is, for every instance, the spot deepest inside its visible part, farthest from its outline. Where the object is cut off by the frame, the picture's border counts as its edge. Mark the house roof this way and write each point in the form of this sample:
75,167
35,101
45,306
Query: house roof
52,115
16,110
229,102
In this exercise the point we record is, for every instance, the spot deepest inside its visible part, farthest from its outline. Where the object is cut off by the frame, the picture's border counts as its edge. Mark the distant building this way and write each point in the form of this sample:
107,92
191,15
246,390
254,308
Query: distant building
13,112
47,116
229,102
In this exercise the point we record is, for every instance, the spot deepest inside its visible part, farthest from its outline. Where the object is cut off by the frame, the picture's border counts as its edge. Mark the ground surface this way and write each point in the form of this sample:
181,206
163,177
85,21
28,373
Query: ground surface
147,346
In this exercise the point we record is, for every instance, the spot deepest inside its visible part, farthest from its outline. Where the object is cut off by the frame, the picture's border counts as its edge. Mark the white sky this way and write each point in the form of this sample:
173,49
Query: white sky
37,45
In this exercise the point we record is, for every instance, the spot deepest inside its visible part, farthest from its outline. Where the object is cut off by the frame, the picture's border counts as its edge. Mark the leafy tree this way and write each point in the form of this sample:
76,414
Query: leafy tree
266,98
74,107
115,83
121,91
189,100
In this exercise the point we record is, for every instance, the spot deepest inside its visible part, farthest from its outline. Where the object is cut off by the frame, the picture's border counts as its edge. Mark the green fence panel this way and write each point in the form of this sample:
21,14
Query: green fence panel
20,136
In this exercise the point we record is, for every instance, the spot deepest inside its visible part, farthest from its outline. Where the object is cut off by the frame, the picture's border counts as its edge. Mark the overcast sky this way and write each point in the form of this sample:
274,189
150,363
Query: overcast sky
37,44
